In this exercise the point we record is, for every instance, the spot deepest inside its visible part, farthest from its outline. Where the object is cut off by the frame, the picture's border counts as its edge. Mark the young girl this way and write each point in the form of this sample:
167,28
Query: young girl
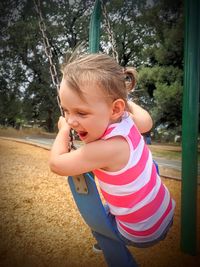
93,96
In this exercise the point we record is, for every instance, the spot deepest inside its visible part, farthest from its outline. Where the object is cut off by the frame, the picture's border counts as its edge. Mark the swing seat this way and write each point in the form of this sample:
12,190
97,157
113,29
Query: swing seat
88,201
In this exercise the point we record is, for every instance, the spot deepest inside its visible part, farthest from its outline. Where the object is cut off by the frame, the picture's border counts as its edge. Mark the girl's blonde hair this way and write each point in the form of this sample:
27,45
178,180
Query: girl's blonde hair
114,80
131,78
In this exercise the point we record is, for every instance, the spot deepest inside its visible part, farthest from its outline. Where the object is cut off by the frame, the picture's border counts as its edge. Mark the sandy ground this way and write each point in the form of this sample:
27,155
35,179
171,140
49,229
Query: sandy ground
41,227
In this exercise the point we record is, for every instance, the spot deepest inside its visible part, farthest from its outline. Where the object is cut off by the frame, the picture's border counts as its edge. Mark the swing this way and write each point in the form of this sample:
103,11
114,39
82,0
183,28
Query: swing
88,201
83,187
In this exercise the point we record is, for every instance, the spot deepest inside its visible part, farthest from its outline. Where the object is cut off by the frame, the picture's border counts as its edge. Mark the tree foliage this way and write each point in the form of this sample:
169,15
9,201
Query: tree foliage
162,74
164,86
148,35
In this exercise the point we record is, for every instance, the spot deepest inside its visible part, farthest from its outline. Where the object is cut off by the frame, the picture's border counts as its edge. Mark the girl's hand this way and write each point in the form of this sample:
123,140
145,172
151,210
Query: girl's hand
141,117
62,124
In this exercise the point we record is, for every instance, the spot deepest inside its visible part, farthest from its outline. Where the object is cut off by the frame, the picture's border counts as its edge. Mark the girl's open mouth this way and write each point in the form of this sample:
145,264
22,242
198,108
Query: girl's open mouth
82,135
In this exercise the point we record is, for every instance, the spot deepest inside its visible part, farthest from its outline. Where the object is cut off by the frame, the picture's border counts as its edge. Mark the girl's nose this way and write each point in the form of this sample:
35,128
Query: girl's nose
71,120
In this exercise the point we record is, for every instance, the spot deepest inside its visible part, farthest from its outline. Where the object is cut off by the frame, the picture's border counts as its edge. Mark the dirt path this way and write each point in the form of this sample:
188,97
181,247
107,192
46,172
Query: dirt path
41,227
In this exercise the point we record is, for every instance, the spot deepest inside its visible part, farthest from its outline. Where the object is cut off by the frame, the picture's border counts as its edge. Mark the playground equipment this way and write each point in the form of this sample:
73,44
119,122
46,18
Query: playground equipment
83,187
88,201
190,117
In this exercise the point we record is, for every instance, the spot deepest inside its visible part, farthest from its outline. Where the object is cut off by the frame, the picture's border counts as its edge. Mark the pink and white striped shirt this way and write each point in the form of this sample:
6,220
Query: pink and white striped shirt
140,202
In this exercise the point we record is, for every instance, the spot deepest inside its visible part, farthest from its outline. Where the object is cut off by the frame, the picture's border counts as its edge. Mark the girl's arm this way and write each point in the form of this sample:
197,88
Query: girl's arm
91,156
77,161
141,117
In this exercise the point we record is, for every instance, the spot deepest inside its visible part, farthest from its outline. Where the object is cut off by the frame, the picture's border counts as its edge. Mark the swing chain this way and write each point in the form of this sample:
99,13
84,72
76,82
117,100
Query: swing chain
47,46
52,68
110,32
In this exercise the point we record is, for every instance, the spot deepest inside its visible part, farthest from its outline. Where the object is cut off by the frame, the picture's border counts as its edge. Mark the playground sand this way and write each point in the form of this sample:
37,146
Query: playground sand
41,227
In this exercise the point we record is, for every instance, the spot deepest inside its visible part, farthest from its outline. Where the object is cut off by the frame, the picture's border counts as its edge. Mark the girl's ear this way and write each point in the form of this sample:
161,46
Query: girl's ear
118,108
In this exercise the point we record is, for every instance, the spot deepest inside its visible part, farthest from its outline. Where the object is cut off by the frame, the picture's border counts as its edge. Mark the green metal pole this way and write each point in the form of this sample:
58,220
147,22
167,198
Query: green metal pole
94,31
190,127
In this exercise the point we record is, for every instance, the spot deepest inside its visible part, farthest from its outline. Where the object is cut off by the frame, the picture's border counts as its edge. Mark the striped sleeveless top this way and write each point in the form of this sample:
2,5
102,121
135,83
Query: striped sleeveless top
136,196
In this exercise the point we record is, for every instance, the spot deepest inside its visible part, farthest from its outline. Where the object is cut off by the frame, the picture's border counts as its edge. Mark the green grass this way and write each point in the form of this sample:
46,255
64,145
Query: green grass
11,132
176,155
169,154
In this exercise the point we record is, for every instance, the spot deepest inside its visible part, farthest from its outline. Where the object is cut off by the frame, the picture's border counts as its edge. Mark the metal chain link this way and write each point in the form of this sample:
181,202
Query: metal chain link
47,47
52,68
110,32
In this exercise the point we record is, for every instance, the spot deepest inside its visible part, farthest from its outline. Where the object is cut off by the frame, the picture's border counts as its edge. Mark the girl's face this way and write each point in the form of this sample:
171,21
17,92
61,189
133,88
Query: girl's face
89,117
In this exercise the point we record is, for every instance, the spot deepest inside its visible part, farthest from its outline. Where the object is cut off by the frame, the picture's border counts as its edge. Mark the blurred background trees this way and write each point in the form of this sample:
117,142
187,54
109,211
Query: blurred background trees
148,35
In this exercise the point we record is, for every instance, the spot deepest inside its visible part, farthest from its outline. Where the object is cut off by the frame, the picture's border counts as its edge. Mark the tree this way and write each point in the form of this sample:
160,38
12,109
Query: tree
10,94
166,18
10,104
130,30
161,75
25,51
164,87
148,35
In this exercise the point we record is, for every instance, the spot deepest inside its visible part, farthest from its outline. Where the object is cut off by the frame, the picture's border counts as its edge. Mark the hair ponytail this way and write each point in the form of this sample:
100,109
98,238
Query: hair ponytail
130,78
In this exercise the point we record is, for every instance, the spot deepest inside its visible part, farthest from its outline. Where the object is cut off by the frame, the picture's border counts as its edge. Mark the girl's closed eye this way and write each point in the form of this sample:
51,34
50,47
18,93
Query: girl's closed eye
77,113
81,113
